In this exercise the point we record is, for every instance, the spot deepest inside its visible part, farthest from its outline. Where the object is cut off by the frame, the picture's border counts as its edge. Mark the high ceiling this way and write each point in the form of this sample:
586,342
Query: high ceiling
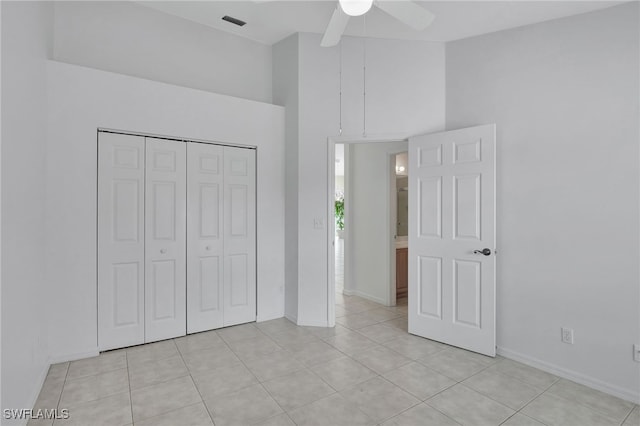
271,21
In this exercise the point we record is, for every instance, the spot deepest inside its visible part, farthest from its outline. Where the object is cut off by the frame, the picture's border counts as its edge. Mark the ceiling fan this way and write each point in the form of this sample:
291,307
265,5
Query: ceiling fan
405,11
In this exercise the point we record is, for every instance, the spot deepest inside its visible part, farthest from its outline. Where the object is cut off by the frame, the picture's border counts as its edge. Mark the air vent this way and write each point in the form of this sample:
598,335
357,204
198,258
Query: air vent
233,20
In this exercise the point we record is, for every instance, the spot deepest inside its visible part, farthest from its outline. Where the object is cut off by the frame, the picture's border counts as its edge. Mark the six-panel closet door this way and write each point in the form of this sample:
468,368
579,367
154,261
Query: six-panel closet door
221,274
165,239
205,254
239,235
176,238
121,263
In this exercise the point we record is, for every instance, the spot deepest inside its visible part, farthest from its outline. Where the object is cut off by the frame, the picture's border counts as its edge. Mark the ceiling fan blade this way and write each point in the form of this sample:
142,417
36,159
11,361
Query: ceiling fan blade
408,13
336,27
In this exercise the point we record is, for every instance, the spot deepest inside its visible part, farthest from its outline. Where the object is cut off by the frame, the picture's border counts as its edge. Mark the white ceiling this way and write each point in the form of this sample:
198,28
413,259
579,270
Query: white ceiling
271,21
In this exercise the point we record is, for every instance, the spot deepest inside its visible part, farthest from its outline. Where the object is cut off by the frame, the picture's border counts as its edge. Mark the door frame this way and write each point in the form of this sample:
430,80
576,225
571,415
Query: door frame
331,155
393,223
175,139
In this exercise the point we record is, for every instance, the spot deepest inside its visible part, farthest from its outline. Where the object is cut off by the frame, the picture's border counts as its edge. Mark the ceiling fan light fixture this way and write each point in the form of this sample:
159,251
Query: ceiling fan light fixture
355,7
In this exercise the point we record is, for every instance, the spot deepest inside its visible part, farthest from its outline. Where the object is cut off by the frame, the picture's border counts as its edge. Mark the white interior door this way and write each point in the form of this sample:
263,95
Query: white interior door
165,242
204,243
121,163
451,222
239,235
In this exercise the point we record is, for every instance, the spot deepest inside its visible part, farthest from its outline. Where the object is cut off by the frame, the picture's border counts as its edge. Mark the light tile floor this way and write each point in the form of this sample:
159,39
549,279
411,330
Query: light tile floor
367,370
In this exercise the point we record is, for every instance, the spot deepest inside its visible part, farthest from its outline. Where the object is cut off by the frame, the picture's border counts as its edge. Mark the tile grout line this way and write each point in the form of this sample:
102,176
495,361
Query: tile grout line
433,408
309,369
161,381
457,382
629,415
194,382
64,382
405,391
256,377
285,412
126,357
533,399
601,413
510,377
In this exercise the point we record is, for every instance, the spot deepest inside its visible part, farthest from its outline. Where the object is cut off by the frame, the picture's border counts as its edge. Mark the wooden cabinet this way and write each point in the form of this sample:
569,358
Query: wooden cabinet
402,272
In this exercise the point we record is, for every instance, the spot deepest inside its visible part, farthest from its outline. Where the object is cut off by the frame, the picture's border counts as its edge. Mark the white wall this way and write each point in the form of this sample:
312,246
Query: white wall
370,233
1,405
564,96
405,94
82,100
26,33
285,93
128,38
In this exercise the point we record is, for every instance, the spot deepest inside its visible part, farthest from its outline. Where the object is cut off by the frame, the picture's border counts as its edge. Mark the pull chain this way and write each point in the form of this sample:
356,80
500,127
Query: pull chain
364,78
340,92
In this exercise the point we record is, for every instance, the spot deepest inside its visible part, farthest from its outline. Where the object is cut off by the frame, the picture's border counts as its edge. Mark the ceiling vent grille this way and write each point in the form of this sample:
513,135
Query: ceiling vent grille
233,20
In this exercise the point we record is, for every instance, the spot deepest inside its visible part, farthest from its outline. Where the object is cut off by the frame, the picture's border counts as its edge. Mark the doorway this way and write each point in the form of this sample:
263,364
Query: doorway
452,217
363,184
399,202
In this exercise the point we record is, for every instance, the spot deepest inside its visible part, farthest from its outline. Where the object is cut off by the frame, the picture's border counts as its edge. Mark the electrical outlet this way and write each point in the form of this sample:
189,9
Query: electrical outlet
567,335
636,352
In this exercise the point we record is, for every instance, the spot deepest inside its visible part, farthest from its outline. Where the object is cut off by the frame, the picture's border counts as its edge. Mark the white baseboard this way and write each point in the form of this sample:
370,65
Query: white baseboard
37,387
622,393
292,318
56,359
36,390
367,296
312,323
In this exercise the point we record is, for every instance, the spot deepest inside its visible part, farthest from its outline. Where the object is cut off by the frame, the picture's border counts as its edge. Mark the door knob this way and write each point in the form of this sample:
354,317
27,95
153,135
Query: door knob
163,251
485,251
208,248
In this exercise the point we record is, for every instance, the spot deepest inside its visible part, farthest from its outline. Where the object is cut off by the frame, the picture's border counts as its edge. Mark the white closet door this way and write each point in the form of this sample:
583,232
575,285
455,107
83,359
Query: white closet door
165,242
239,235
204,242
121,162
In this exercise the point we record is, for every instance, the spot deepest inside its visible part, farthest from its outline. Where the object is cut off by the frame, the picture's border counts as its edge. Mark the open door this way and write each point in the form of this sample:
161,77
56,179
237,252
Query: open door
452,234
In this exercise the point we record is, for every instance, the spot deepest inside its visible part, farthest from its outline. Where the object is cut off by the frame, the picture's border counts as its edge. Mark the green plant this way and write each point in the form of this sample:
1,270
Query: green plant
340,213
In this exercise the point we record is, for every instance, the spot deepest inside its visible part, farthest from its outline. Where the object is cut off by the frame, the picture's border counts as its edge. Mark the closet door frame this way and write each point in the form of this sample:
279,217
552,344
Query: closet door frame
105,341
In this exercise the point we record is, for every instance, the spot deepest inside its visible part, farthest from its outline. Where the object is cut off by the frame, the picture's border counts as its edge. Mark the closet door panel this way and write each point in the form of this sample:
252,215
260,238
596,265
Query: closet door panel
121,162
165,243
239,235
204,230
